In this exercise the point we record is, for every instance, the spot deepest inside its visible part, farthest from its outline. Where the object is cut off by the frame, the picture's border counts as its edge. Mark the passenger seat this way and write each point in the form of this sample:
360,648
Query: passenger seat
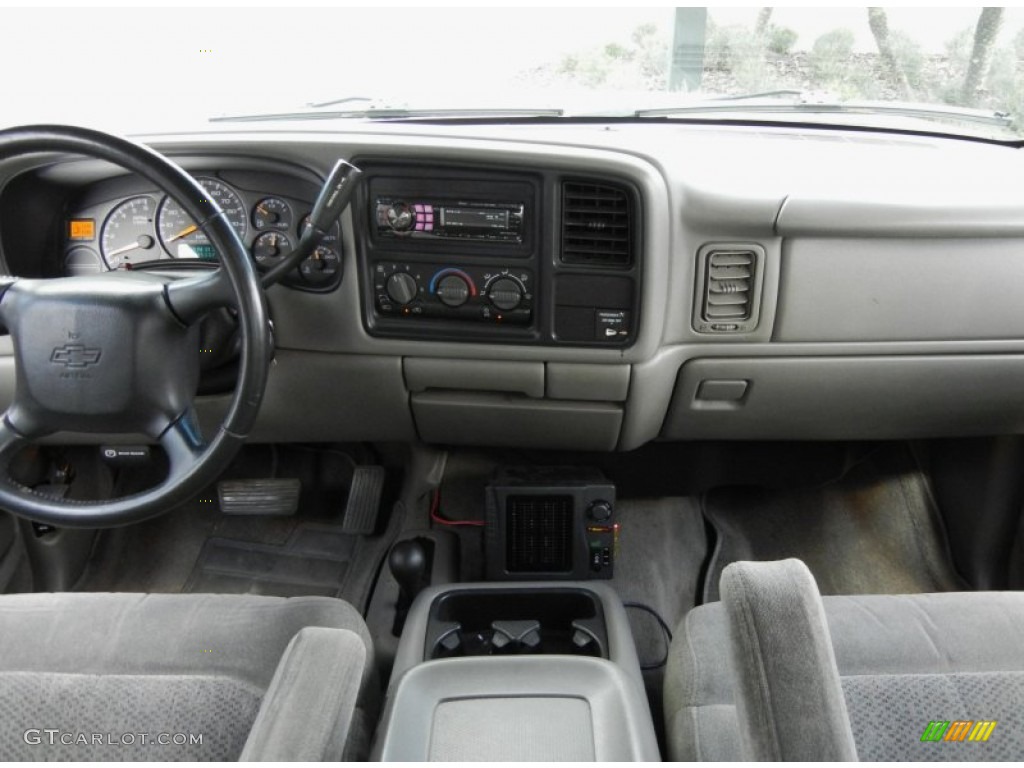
776,672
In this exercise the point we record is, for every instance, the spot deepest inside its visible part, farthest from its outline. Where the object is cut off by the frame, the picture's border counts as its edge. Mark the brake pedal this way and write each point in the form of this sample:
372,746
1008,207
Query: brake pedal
363,503
267,496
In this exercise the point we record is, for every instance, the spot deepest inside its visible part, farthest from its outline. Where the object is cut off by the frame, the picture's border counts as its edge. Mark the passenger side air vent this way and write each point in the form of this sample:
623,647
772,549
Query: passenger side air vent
597,225
730,286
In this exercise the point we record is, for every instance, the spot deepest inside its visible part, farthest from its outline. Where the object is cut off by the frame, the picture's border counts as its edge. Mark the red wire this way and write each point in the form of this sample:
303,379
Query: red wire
435,515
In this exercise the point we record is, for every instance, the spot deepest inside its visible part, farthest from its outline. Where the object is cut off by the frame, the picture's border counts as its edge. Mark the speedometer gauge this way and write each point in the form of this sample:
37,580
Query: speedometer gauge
183,238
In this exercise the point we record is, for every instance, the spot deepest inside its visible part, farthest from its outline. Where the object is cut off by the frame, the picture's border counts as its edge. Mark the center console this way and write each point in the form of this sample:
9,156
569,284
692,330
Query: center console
516,672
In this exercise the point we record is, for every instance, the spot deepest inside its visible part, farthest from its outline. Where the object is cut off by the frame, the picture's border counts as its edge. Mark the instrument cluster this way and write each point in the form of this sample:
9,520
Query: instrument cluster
130,230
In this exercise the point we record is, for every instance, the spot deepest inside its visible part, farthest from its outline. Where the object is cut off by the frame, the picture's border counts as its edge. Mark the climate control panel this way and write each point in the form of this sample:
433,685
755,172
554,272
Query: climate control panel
500,295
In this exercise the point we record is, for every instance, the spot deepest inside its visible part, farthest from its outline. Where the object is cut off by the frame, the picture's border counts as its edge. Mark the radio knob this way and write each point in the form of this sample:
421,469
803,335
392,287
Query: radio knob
453,291
402,287
505,294
400,217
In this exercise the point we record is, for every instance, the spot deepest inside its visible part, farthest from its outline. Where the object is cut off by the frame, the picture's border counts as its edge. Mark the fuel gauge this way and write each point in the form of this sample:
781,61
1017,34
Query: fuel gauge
272,213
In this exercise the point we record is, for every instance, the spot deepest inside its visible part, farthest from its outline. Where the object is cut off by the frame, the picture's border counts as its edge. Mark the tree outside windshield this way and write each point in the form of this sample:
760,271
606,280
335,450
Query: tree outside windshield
966,57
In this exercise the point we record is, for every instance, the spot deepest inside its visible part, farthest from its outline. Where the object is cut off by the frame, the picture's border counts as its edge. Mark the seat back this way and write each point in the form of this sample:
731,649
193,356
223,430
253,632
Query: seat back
789,700
775,671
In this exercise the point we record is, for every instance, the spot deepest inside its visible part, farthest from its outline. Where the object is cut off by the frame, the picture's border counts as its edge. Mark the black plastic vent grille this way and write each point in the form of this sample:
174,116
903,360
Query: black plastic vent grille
597,225
539,534
730,285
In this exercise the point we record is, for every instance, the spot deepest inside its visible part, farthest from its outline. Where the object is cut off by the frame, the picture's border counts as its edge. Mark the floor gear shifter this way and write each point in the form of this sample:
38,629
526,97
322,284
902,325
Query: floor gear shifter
409,562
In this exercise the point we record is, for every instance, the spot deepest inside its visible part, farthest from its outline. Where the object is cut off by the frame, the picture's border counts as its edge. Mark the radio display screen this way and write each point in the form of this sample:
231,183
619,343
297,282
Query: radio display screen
474,218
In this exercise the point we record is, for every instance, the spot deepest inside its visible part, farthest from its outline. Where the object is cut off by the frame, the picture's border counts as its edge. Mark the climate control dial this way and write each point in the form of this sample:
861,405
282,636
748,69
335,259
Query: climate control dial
453,287
453,290
505,293
402,288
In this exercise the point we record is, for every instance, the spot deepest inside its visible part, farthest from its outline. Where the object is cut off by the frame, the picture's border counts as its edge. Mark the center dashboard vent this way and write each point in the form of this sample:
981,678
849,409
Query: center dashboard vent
597,225
730,289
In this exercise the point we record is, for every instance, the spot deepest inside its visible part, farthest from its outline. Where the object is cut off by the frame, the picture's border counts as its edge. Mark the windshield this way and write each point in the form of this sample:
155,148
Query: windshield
952,70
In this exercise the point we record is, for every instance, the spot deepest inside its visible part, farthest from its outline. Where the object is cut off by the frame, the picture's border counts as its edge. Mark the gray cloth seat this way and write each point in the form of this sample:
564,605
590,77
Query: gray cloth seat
113,676
776,672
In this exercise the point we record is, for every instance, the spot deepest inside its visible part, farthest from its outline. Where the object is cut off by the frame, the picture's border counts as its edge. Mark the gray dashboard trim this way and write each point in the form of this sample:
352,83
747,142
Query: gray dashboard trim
470,418
844,398
881,217
582,381
888,289
424,373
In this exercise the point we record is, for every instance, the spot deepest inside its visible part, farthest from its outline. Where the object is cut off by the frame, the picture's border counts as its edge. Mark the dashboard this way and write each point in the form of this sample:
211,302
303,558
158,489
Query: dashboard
589,287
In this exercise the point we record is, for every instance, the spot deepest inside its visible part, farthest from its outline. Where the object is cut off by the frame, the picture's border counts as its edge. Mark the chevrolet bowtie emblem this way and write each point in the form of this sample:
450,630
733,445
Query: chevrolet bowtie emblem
75,356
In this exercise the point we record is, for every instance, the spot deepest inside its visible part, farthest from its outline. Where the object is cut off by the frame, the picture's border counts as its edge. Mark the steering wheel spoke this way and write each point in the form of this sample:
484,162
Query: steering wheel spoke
183,443
193,297
6,281
11,441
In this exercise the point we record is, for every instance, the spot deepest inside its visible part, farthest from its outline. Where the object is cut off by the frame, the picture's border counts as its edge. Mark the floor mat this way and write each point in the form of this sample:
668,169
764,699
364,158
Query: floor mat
873,531
198,549
315,561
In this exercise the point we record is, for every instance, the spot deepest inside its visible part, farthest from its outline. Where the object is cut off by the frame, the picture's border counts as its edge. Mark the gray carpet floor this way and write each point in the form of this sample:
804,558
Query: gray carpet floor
198,549
875,530
662,547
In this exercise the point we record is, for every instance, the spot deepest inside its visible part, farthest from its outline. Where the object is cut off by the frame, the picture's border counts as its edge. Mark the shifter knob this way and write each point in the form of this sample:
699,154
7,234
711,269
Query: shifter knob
408,562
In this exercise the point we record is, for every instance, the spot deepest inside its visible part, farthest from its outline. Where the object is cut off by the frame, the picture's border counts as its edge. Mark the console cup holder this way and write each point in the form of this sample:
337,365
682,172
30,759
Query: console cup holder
516,621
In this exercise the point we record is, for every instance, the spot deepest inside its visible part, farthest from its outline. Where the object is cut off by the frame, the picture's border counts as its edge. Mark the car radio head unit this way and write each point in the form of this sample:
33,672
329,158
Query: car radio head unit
450,219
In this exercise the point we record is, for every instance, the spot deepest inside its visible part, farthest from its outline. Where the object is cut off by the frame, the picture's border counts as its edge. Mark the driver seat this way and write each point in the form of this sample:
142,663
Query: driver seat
113,676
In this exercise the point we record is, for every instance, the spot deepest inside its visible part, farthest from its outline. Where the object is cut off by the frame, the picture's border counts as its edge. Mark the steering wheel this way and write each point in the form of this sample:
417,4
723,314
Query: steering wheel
119,352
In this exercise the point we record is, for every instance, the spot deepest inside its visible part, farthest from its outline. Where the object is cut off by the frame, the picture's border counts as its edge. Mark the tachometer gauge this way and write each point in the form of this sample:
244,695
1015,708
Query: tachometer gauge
272,213
128,233
183,238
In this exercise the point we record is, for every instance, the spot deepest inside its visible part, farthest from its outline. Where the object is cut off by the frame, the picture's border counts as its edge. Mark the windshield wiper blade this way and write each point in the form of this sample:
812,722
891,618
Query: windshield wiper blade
397,113
800,102
776,94
335,102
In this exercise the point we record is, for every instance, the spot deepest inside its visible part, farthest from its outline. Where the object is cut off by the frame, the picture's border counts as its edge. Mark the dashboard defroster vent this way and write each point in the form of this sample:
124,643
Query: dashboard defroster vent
730,288
597,225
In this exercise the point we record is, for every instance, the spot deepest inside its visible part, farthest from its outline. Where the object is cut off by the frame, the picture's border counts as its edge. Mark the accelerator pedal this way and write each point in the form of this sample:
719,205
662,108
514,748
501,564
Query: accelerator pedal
268,496
363,503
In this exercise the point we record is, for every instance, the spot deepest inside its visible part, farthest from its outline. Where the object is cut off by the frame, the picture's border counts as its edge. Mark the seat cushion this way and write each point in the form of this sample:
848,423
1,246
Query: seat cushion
110,676
903,661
